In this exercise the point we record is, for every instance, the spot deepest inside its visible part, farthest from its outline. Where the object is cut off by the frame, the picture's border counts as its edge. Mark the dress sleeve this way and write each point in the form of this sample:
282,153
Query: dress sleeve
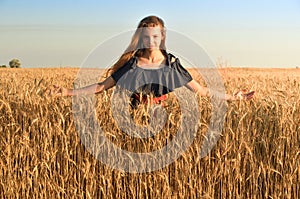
122,70
184,75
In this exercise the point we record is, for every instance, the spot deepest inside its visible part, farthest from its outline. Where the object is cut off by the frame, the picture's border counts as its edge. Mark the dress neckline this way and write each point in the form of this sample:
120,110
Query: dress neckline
160,66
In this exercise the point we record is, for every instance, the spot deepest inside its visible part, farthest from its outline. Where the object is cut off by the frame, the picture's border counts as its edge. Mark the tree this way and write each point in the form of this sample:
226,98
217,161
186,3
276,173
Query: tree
15,63
3,66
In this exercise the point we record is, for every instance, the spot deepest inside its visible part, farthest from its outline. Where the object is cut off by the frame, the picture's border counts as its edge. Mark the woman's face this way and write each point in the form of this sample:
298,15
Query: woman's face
152,37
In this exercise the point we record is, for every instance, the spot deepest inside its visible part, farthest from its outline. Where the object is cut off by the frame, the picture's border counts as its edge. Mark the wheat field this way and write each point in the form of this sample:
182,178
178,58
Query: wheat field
257,155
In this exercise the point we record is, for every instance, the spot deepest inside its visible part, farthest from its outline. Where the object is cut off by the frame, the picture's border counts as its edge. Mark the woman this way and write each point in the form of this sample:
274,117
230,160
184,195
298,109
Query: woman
147,55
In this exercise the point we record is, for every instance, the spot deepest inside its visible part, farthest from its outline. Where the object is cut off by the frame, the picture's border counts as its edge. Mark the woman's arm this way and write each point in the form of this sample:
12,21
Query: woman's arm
203,91
197,88
91,89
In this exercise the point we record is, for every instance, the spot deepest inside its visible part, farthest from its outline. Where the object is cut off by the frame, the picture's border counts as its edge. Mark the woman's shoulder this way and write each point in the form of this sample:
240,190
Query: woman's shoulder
174,61
171,58
128,65
180,72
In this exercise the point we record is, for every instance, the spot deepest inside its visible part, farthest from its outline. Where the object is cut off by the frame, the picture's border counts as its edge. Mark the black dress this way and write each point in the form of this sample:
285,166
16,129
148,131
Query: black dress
157,82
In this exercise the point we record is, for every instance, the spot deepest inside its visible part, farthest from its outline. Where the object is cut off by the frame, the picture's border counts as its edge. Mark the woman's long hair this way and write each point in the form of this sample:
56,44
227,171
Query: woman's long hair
136,45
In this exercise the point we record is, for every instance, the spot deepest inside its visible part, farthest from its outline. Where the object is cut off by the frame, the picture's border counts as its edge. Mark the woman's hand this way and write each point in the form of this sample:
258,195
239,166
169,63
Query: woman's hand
243,95
57,91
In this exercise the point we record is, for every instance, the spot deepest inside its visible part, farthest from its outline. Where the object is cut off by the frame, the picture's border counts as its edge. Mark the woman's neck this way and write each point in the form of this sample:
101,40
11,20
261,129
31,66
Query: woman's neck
153,55
151,59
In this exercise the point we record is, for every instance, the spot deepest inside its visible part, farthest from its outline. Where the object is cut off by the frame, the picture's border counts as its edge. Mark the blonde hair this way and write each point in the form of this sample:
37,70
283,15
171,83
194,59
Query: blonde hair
136,46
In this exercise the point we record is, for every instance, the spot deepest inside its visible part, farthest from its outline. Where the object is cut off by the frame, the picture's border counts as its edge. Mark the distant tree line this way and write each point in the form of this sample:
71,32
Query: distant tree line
14,63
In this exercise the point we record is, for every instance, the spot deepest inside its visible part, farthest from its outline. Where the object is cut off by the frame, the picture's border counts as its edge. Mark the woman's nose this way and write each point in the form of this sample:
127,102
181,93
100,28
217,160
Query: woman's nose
151,40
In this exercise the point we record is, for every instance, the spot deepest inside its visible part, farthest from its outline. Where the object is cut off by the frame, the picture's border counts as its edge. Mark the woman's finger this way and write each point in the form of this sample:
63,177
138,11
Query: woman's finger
54,91
244,95
249,95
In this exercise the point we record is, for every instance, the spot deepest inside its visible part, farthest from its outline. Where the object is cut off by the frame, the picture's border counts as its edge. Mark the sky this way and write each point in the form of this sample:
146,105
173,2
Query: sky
256,33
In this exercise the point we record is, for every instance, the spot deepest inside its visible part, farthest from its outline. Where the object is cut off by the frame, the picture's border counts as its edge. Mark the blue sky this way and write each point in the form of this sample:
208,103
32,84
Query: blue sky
257,33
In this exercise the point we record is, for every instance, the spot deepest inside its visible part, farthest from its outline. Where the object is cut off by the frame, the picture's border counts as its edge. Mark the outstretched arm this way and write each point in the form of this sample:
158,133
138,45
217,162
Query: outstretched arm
91,89
203,91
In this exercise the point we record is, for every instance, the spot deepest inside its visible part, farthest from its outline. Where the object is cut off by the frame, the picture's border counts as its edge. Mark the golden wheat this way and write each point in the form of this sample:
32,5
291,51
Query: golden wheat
257,156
